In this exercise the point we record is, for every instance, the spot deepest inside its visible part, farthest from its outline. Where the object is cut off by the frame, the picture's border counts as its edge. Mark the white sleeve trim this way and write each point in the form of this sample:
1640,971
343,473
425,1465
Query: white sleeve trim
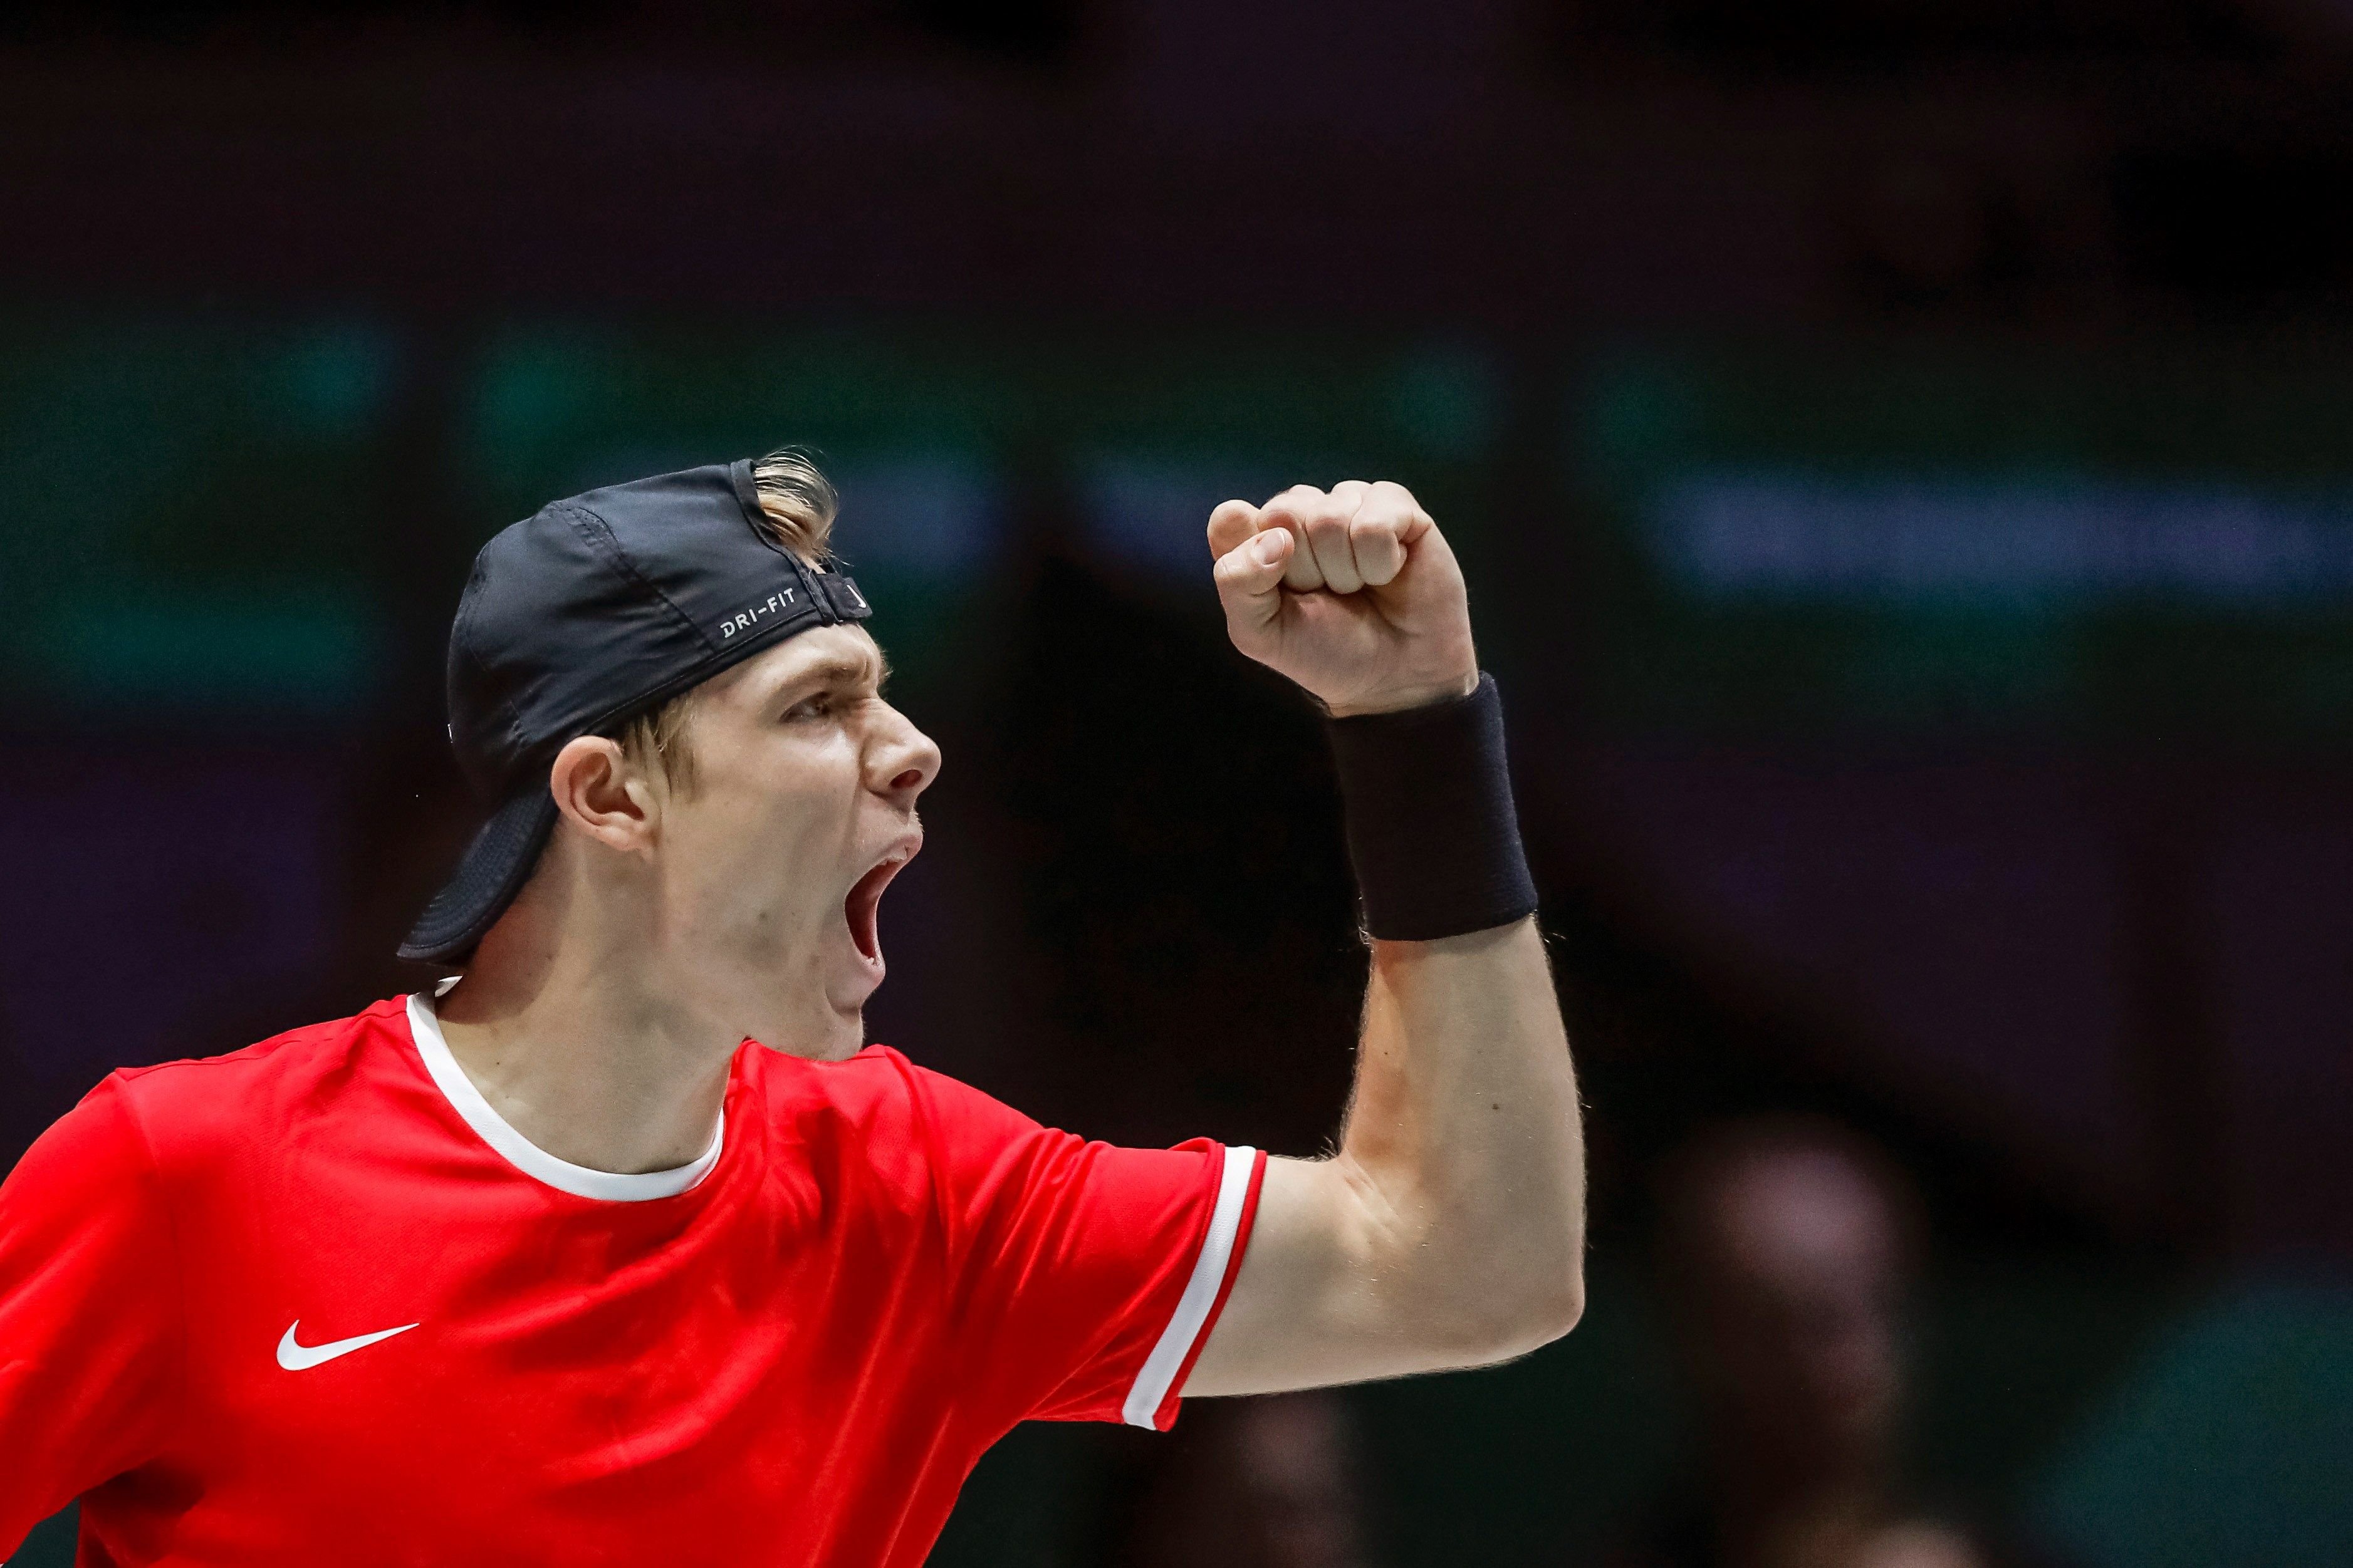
1160,1368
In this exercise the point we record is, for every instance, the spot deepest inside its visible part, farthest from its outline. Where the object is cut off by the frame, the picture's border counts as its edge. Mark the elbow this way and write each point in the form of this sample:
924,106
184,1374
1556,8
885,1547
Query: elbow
1560,1308
1503,1315
1542,1276
1545,1310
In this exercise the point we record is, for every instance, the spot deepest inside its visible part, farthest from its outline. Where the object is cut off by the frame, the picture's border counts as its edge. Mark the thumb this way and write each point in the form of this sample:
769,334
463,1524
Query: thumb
1232,523
1249,582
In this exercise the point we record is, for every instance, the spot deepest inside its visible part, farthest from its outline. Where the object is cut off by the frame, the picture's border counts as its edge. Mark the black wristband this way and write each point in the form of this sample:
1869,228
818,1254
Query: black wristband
1431,830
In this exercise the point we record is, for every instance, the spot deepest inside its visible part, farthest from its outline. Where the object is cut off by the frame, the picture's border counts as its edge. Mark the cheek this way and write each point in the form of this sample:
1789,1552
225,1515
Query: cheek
766,839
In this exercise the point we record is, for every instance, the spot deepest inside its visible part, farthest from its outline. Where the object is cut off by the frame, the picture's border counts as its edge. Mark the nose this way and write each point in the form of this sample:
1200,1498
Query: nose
901,760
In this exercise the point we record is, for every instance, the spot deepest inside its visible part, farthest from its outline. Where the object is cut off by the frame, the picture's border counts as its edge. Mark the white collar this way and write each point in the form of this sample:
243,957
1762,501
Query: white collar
612,1187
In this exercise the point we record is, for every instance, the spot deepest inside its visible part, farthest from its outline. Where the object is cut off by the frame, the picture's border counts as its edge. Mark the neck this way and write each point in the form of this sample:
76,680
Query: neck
583,1052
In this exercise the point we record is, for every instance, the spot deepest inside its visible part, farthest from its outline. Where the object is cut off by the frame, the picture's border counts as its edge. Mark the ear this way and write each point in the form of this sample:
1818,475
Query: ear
602,795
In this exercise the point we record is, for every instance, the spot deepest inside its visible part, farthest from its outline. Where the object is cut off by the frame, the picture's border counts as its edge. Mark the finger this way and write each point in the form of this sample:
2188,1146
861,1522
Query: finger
1383,530
1396,496
1327,540
1379,552
1250,580
1293,510
1232,522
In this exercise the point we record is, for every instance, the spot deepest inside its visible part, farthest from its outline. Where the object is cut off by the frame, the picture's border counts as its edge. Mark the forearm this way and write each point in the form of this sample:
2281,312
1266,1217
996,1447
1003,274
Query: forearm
1466,1141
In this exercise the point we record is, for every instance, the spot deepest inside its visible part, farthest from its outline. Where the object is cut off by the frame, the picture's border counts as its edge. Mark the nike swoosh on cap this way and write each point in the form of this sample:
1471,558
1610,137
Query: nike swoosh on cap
296,1357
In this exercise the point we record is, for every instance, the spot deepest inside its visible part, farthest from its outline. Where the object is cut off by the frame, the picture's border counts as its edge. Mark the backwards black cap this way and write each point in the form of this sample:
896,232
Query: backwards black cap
583,615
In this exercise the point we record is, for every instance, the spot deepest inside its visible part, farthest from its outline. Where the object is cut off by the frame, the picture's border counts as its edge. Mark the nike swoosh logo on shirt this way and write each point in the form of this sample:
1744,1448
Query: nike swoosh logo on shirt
296,1357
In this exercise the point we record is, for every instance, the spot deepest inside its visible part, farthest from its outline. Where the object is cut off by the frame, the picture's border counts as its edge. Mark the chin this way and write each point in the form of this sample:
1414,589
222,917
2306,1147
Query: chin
840,1033
849,1035
827,1032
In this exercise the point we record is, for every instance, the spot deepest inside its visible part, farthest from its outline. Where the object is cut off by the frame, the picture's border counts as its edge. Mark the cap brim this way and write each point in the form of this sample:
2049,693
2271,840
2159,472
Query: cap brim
489,875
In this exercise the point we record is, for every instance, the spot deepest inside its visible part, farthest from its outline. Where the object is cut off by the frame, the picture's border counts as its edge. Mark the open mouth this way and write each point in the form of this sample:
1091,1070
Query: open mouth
863,907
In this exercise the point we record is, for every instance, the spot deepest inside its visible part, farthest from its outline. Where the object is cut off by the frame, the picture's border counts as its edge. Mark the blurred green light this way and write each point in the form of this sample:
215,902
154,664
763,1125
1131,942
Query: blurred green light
313,653
2230,1450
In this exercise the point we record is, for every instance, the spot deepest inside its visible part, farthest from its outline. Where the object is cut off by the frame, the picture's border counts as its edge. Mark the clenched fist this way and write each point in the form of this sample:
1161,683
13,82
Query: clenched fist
1354,595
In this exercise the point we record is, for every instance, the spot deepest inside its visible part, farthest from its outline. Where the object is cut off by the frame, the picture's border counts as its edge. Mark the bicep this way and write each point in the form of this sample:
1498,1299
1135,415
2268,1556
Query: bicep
1322,1296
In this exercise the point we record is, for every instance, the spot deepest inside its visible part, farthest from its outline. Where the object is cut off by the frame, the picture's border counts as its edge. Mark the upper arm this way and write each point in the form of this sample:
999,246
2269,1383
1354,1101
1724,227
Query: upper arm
1324,1294
1449,1229
89,1333
1081,1276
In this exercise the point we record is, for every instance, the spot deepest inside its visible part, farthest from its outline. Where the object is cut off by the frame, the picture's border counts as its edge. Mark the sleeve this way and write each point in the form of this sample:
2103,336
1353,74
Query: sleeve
1084,1278
90,1346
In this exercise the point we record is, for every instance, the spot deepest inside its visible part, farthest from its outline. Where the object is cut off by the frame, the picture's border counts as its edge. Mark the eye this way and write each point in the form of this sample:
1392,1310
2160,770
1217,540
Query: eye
820,706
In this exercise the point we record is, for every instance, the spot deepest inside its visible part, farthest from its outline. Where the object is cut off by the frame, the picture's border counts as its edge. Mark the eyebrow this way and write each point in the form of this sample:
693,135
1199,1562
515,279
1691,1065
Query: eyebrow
831,669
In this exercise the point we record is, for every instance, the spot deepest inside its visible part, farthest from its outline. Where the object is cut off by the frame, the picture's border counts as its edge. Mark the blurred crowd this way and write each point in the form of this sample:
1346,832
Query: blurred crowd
1783,1253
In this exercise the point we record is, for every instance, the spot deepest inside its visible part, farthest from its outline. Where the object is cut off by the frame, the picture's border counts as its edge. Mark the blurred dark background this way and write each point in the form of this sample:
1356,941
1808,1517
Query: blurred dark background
1904,458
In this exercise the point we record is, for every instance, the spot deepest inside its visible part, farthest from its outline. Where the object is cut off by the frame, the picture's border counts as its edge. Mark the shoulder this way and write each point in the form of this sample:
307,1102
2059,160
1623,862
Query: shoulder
184,1108
93,1150
882,1114
879,1090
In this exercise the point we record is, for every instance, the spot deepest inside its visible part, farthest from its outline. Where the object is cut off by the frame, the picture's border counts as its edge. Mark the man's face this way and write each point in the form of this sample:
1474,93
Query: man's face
802,810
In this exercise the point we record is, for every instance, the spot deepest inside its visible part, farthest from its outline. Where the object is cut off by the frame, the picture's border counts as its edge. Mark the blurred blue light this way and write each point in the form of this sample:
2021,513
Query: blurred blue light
1795,536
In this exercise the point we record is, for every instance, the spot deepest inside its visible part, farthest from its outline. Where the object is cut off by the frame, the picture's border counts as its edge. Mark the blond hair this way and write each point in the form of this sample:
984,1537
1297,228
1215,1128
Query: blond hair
797,505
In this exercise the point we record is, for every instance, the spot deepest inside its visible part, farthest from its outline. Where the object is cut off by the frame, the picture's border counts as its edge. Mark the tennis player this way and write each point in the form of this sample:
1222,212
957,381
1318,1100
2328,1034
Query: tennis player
623,1246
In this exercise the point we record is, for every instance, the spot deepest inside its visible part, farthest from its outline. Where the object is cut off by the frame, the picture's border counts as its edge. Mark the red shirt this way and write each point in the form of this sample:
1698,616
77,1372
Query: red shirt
313,1301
